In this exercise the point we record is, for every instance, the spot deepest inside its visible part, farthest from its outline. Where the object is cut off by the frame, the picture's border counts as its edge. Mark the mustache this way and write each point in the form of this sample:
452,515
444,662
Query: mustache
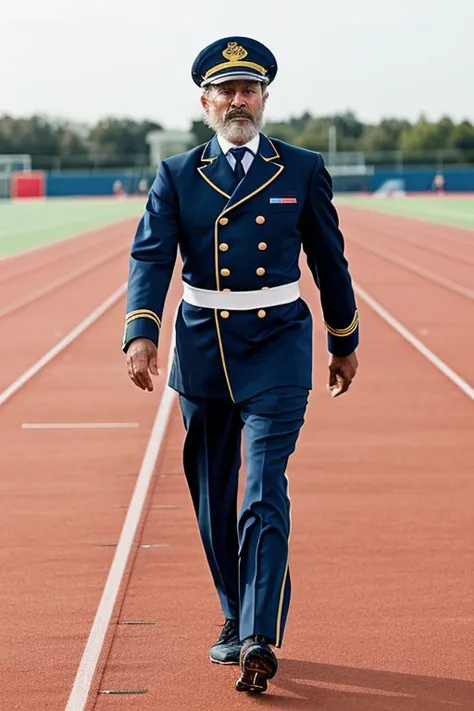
237,113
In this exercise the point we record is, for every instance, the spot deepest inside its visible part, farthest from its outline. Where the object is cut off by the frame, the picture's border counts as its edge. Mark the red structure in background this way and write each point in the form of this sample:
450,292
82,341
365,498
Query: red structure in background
27,184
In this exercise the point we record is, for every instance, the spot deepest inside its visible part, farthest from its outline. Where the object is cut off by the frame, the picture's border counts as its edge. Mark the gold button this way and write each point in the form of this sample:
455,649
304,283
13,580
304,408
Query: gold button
225,289
225,272
265,287
262,246
224,221
224,314
223,247
260,271
260,220
261,313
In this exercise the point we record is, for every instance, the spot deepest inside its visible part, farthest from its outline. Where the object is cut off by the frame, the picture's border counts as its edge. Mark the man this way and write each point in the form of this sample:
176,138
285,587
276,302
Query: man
438,184
239,209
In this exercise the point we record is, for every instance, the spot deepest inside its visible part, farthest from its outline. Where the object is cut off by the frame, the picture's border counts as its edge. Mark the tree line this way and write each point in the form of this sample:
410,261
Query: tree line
55,143
121,143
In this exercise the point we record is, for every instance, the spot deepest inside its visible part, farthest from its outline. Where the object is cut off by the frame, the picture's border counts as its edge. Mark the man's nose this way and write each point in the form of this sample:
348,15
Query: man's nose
239,101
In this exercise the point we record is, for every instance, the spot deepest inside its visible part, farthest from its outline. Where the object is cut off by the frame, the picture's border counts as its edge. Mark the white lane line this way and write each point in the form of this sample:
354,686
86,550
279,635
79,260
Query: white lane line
66,341
62,240
425,220
79,425
421,271
62,281
420,347
87,667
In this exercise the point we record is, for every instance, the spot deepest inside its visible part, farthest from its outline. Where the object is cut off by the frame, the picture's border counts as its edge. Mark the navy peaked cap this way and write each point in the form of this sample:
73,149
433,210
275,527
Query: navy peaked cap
234,58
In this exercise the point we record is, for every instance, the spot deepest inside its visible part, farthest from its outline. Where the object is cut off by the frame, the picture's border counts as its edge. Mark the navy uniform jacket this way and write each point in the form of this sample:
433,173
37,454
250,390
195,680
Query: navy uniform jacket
241,239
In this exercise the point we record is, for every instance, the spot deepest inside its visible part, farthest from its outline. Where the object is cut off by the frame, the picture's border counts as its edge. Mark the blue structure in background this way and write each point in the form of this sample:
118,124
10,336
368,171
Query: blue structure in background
62,184
421,179
416,179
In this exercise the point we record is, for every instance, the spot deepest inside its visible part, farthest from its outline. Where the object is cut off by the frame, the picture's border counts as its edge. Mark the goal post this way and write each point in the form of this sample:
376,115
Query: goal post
18,180
349,171
167,143
9,163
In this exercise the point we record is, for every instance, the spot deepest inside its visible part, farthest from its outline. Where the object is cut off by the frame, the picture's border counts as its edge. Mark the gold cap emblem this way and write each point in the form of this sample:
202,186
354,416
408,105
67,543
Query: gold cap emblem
234,52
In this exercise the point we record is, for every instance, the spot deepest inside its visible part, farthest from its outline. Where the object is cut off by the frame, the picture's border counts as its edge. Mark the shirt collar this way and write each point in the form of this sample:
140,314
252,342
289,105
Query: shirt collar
251,145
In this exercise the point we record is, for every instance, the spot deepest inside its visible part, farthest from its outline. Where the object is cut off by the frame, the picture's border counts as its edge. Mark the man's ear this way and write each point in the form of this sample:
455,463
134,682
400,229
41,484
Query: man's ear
204,101
265,97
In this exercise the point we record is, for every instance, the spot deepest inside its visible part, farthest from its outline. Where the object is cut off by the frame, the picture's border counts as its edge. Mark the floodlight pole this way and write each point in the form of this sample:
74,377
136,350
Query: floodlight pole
332,144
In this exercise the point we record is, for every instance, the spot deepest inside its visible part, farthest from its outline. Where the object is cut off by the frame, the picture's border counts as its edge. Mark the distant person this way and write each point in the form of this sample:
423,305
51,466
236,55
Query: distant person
240,208
143,186
118,189
439,184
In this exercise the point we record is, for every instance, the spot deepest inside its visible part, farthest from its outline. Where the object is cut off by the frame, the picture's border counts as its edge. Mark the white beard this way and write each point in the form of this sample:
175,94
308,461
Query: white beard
234,131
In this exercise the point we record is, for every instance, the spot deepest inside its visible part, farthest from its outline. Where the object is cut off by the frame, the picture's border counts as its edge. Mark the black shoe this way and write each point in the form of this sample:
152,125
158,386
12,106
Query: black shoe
257,664
227,648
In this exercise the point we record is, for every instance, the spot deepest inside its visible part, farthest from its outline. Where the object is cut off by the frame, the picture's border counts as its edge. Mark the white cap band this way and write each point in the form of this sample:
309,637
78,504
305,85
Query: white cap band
220,79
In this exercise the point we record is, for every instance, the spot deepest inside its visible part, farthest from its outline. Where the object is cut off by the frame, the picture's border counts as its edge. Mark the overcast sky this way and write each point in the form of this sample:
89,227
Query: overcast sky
86,59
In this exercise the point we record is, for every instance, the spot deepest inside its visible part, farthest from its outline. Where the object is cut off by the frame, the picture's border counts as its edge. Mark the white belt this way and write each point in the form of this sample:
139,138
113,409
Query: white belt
241,300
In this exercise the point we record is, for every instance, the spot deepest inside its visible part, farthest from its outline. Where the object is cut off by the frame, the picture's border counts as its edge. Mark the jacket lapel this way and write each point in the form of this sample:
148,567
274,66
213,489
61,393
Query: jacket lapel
216,170
263,171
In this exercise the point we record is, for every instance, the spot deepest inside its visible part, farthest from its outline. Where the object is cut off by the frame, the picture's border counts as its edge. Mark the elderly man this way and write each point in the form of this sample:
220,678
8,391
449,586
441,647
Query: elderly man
240,209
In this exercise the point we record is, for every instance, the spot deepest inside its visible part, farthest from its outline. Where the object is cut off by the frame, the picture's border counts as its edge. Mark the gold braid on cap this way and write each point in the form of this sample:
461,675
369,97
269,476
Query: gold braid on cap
234,54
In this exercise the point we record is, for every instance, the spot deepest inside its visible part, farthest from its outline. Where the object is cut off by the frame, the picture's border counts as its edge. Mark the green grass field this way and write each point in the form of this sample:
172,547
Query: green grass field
452,211
25,225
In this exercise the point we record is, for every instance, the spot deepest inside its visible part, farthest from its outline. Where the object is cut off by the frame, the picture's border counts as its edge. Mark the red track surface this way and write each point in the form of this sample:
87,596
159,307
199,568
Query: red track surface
381,486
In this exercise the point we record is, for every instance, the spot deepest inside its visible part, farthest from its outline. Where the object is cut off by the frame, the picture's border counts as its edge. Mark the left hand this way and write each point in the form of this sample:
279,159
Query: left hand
342,370
141,361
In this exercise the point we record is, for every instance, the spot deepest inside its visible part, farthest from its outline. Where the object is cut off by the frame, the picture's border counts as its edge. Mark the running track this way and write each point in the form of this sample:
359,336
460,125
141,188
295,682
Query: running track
381,487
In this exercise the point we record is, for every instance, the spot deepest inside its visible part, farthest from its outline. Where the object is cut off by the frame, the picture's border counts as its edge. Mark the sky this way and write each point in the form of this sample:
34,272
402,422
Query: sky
84,60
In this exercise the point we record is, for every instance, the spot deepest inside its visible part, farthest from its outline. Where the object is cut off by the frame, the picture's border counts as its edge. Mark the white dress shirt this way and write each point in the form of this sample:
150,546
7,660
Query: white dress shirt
248,157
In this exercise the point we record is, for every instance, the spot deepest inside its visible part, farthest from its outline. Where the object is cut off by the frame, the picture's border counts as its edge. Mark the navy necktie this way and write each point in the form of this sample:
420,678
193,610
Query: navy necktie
238,154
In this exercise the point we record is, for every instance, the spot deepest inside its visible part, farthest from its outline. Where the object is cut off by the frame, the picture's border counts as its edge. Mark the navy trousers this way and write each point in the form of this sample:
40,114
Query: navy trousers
247,552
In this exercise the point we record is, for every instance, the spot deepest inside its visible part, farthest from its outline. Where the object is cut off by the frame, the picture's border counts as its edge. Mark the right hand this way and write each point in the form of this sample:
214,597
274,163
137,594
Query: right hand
141,361
342,371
